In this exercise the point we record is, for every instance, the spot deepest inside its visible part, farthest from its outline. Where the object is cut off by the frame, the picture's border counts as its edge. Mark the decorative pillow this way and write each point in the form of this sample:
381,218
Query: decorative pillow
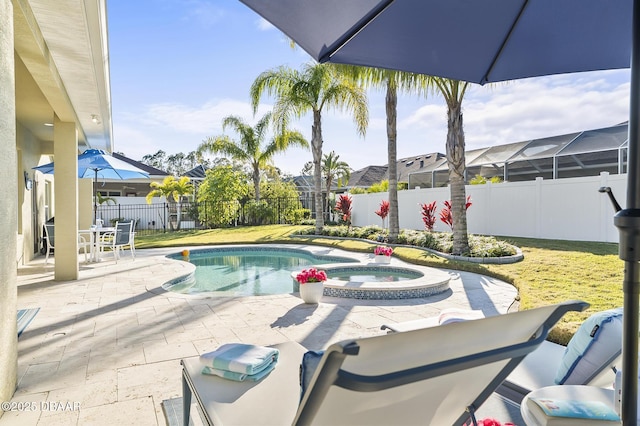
597,342
310,362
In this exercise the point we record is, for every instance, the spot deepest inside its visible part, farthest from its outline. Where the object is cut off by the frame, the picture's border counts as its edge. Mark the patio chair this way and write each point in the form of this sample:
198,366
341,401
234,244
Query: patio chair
117,240
436,375
50,238
591,358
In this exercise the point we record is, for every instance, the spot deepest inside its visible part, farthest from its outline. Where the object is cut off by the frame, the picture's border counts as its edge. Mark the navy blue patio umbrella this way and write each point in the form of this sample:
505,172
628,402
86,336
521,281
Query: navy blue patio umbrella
94,163
484,41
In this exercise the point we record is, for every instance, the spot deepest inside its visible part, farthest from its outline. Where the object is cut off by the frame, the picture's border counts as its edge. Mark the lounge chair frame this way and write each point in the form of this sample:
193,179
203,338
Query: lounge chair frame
338,370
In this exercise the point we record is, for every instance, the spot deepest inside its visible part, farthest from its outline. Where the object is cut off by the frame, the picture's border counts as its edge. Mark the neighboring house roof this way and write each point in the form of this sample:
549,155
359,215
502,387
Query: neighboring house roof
151,170
197,173
304,183
370,175
417,163
366,177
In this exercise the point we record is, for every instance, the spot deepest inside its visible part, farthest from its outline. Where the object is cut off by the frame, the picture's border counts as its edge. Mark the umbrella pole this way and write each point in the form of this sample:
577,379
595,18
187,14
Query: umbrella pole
628,223
95,198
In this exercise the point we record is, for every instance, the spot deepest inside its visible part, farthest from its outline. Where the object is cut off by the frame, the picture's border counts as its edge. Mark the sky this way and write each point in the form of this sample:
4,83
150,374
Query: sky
178,67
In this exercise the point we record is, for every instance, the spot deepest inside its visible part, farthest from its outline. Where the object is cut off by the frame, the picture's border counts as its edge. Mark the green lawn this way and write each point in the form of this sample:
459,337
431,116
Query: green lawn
552,271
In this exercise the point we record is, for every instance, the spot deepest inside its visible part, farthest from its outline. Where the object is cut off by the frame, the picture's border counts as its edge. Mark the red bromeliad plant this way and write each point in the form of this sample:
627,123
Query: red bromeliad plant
445,213
429,215
311,275
344,207
384,211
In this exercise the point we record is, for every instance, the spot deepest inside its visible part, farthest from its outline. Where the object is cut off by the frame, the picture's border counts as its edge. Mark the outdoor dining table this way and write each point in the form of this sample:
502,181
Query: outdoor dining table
95,232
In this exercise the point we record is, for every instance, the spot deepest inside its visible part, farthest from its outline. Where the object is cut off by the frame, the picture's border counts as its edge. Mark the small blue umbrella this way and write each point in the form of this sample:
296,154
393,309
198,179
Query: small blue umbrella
94,163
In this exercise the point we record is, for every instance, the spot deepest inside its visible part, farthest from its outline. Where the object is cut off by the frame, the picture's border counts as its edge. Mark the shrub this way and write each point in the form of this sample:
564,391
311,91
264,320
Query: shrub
481,246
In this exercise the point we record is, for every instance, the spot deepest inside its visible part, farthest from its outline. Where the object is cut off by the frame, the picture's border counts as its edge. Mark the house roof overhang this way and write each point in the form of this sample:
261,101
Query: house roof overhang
62,69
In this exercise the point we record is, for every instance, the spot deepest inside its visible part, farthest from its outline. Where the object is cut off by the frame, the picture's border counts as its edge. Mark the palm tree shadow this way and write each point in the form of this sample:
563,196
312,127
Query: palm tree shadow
295,316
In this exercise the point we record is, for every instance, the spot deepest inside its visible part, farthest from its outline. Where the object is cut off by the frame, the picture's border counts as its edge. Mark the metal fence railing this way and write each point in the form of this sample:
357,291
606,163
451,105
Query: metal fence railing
165,217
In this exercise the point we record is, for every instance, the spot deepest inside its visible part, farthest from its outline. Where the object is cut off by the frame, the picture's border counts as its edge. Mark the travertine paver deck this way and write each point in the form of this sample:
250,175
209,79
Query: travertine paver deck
110,342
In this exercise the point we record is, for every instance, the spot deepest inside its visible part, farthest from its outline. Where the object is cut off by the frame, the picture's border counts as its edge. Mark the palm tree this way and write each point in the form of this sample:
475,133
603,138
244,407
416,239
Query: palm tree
173,190
248,148
453,92
316,88
391,81
332,169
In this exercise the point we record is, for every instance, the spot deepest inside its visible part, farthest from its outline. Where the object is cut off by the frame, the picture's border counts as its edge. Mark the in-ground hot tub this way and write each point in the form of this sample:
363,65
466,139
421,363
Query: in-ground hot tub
375,281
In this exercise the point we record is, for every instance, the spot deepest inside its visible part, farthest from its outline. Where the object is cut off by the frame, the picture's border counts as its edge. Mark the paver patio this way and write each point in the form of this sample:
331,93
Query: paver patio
109,344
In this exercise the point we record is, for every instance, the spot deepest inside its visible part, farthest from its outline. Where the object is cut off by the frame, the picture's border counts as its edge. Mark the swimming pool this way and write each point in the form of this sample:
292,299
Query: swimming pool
246,271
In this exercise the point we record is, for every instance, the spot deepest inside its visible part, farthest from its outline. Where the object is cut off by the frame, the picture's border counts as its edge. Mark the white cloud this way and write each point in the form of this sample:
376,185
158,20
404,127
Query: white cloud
500,114
206,14
264,25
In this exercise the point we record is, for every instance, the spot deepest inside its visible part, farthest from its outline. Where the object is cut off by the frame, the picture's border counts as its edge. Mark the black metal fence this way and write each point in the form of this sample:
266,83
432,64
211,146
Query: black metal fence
166,217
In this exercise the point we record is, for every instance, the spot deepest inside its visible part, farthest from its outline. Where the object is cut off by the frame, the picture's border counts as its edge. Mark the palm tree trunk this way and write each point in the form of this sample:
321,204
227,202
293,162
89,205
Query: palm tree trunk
316,149
392,113
256,181
456,161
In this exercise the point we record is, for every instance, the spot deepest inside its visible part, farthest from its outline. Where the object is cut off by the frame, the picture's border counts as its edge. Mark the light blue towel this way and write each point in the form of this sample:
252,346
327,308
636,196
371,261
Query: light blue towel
240,358
239,377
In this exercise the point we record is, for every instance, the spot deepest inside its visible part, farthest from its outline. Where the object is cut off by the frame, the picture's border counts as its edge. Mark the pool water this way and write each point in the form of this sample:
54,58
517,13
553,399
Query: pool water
381,276
246,271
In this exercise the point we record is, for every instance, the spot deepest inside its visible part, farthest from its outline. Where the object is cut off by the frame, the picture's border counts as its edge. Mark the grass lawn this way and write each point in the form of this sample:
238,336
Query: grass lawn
552,271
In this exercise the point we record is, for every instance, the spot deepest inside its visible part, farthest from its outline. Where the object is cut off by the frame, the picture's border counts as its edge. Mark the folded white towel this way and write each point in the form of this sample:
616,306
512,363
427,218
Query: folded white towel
239,377
240,358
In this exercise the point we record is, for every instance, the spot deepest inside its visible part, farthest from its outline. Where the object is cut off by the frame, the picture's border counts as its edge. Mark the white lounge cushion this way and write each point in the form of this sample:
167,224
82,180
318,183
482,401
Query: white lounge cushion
597,342
446,316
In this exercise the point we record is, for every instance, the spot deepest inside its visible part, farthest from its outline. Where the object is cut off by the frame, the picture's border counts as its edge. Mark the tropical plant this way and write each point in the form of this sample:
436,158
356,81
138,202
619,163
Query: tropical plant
173,190
447,217
343,205
334,169
383,211
280,200
249,147
315,88
391,81
429,215
453,92
481,180
218,195
382,186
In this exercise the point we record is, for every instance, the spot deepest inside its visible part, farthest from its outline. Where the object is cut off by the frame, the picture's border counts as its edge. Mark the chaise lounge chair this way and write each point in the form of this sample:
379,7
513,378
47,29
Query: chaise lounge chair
591,358
438,375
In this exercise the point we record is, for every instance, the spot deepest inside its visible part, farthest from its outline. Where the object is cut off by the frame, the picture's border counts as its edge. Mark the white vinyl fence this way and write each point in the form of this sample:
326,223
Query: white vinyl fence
563,209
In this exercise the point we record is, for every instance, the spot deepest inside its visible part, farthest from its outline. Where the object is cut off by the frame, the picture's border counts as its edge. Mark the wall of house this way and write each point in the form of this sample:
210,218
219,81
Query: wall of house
28,233
564,209
8,208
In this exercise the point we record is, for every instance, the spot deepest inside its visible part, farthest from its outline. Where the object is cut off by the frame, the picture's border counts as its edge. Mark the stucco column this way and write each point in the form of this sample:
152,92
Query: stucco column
8,207
65,154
